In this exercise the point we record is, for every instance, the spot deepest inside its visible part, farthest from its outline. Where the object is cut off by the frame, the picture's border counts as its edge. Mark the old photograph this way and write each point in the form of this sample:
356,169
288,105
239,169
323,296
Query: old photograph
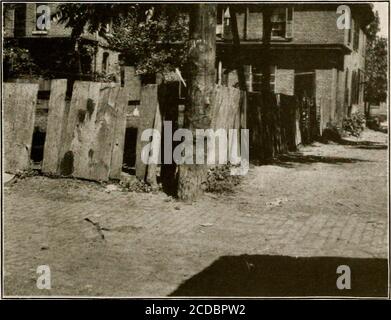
185,149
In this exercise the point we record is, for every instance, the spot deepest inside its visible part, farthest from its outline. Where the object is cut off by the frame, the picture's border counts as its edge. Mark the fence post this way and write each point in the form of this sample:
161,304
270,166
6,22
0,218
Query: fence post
19,116
56,126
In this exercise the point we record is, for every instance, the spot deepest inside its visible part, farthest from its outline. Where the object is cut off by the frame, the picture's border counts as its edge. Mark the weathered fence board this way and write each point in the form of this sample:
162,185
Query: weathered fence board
19,116
95,155
56,126
117,152
132,83
156,144
93,142
273,125
77,110
227,105
148,104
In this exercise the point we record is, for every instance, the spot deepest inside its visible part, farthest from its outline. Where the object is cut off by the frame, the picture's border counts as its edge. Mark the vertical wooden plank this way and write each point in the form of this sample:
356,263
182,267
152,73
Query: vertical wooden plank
234,116
243,109
9,98
19,116
77,111
219,73
102,133
84,133
117,152
285,81
94,136
156,143
132,83
148,105
56,126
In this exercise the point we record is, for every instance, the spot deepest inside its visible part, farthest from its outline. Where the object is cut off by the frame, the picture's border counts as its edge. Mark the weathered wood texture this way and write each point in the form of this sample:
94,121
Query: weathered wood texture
56,125
285,79
273,125
19,116
92,146
117,152
148,104
201,83
226,109
155,146
132,83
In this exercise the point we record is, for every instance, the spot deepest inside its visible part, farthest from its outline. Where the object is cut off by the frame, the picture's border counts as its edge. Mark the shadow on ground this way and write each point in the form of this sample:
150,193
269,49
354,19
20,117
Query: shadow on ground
287,160
364,144
259,275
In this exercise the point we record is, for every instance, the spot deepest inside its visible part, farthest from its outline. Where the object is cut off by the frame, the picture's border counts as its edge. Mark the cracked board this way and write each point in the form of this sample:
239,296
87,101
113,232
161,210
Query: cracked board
93,140
20,101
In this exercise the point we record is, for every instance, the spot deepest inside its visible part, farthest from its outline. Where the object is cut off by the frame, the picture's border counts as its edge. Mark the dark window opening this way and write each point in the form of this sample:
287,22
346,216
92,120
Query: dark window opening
20,20
37,146
278,20
282,23
105,61
129,160
356,35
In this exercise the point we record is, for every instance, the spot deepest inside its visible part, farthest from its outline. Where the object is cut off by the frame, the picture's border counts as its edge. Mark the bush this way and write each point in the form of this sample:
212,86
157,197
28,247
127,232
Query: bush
331,133
220,180
17,62
354,125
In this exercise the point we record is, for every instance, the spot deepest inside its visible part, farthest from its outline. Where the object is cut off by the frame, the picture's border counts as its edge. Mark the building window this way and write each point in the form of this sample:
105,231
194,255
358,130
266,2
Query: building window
20,20
347,86
356,35
105,61
350,31
357,86
282,23
257,79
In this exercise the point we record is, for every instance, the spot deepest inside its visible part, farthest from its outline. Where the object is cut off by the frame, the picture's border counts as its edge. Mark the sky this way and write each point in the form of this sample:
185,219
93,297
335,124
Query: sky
382,9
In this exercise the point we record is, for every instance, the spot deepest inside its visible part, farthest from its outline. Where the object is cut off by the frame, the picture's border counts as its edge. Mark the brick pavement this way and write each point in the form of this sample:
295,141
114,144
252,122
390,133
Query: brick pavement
306,207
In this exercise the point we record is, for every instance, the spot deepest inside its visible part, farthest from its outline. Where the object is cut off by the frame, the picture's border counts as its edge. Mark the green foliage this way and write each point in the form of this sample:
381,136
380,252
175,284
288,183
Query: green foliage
220,180
18,62
376,71
152,36
155,45
375,65
354,125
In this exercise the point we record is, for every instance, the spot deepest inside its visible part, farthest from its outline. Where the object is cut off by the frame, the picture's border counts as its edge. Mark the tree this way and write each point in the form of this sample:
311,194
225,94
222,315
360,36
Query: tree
155,44
376,67
201,85
201,57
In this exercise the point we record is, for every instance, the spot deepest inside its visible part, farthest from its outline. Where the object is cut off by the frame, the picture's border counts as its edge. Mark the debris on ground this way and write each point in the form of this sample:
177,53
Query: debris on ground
277,202
220,180
112,187
206,224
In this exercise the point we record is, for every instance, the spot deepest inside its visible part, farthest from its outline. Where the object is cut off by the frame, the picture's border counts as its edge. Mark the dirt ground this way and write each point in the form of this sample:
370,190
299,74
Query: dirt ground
328,200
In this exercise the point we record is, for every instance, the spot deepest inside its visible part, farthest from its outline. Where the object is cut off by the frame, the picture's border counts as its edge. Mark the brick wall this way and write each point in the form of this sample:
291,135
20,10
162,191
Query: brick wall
316,26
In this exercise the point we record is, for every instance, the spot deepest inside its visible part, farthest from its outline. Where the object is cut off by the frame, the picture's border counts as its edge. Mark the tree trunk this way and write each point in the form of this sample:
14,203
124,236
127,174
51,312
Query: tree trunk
201,85
236,48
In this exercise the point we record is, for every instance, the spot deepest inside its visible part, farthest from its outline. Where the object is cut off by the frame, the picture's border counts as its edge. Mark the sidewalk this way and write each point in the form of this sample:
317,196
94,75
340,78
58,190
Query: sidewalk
326,201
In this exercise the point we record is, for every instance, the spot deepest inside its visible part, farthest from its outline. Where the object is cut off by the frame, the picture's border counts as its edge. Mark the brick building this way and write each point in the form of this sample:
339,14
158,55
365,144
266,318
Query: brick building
309,54
52,47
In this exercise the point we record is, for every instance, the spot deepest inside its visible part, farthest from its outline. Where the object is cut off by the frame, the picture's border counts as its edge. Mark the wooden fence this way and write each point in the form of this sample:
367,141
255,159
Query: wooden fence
19,101
85,136
273,121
